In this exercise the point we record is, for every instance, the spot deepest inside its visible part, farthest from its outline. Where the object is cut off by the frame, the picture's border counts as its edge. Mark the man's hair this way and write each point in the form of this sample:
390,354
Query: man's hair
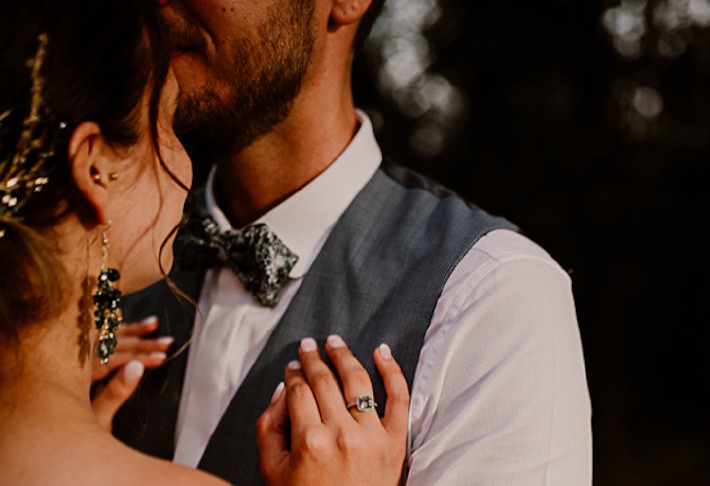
367,21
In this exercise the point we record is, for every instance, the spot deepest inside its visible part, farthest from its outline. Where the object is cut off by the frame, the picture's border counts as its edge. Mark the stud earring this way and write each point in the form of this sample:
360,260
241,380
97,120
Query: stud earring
112,176
107,300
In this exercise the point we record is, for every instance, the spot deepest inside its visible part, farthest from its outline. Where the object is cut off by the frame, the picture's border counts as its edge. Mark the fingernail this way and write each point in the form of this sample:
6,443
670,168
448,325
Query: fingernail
308,345
165,340
294,365
385,351
158,355
149,320
335,341
132,372
277,393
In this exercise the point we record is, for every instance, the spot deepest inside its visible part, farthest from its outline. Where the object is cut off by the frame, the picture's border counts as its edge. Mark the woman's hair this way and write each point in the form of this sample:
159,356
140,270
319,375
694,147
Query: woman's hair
100,60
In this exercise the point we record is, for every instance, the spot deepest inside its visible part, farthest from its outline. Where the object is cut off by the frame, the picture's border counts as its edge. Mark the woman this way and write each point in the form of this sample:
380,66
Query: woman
92,183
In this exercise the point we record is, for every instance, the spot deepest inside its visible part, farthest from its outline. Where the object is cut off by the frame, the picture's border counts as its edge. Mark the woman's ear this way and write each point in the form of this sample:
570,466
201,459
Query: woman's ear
346,12
87,148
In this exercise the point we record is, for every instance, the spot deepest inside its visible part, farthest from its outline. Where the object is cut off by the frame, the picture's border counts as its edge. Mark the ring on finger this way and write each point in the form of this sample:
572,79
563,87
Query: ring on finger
364,403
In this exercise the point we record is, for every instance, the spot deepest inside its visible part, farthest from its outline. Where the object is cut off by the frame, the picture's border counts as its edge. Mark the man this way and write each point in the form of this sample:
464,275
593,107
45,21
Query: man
481,319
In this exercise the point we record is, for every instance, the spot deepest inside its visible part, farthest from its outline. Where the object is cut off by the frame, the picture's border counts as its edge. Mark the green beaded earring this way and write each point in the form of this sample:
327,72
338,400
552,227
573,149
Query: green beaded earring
107,299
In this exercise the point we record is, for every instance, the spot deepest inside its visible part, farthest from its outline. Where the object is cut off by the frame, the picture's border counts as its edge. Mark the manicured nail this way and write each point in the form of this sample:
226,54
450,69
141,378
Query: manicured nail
158,355
277,393
308,345
335,342
385,351
294,365
132,372
149,321
165,340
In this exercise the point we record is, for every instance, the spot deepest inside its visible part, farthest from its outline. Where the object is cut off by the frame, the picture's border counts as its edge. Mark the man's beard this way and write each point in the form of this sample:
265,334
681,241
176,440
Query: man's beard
265,75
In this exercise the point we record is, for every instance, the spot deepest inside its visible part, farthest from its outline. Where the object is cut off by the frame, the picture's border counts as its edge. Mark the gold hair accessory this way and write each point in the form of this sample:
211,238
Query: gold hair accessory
25,171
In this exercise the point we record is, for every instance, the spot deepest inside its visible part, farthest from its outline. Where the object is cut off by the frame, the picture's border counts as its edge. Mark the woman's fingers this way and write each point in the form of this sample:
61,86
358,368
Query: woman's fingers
133,344
357,386
140,328
336,449
119,389
322,381
99,371
132,338
271,434
396,415
302,407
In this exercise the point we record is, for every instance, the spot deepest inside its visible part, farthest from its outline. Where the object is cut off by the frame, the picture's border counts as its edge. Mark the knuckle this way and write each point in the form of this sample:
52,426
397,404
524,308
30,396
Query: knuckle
262,424
322,378
314,443
348,442
298,390
399,398
358,377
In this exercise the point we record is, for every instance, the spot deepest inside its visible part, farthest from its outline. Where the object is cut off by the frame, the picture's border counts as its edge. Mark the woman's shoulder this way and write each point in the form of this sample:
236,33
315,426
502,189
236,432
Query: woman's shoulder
148,470
82,455
133,467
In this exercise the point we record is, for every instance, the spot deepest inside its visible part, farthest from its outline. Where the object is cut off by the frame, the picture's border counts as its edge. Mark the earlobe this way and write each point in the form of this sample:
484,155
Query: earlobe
86,149
348,11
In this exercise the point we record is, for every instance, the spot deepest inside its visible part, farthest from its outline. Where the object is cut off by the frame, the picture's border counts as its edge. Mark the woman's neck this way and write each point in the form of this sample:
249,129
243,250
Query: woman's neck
49,365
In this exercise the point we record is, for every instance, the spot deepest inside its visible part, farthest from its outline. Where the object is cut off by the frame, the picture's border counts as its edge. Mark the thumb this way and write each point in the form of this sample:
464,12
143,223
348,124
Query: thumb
271,440
107,402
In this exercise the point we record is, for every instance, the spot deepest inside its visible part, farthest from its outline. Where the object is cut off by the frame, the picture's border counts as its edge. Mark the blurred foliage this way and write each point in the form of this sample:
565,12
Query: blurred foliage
587,124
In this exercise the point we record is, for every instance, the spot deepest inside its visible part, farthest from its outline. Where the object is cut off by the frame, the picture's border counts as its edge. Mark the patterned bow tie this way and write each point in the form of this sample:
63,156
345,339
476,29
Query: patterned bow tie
256,255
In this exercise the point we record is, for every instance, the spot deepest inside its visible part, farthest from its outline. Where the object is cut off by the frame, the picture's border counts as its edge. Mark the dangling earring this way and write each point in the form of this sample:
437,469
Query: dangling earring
107,313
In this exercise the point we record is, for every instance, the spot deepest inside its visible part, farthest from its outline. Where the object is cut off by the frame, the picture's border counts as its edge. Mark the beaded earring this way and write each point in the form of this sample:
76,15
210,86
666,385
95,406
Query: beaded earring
107,299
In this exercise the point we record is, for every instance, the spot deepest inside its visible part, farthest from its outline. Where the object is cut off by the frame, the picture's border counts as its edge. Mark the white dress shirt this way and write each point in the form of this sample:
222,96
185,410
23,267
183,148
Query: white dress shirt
499,395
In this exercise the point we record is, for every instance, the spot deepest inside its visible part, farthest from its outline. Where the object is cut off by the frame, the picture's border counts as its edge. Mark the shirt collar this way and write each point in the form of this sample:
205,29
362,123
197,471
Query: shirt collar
304,220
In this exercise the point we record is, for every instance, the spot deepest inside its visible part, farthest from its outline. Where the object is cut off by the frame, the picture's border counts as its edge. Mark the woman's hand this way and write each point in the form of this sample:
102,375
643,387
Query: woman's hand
134,345
115,392
331,443
135,352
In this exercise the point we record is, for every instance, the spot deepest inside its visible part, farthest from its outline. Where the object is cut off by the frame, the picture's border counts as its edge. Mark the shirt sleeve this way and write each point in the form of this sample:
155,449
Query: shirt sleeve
500,394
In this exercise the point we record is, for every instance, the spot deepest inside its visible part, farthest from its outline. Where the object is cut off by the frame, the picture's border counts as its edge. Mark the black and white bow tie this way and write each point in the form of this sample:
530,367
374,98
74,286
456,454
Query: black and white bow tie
257,256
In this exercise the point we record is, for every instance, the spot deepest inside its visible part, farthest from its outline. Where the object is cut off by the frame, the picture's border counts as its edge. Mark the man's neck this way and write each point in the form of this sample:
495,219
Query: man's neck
277,165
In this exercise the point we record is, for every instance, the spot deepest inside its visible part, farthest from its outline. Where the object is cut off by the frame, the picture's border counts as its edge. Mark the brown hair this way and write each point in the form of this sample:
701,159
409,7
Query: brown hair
101,58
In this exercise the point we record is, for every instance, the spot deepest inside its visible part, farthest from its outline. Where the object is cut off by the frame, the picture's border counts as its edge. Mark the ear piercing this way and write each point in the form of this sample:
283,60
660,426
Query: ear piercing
112,176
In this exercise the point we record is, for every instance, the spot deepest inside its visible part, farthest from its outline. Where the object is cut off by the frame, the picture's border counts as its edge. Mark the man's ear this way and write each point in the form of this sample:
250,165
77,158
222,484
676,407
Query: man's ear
87,148
346,12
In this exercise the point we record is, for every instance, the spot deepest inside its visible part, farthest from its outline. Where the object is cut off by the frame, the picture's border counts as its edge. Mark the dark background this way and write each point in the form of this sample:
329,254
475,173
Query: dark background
587,124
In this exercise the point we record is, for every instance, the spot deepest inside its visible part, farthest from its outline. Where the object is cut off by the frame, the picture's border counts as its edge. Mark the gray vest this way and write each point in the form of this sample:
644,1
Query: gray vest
377,279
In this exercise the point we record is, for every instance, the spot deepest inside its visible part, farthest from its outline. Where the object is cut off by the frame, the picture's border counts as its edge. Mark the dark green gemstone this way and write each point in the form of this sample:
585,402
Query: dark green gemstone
113,322
113,274
107,345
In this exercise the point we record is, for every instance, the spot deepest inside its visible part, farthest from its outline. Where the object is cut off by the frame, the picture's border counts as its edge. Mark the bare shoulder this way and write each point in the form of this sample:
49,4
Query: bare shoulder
148,470
76,454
